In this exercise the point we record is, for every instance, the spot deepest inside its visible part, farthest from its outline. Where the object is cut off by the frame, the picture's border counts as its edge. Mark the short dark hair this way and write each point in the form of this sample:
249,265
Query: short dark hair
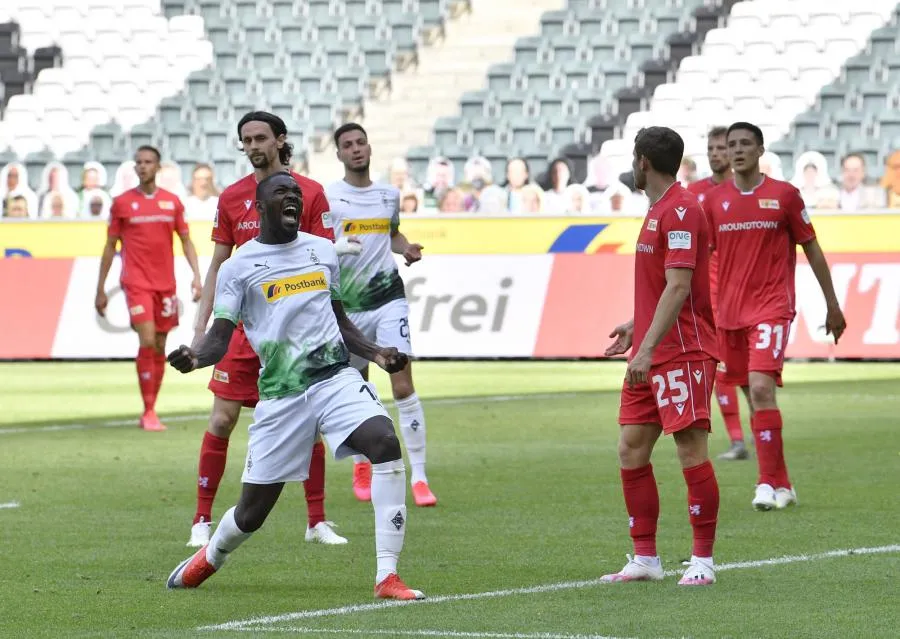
346,128
662,147
152,149
854,154
717,132
262,184
746,126
278,127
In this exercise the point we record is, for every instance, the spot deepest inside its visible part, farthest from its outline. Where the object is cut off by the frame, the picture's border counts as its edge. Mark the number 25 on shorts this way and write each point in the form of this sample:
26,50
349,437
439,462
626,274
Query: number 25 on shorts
673,382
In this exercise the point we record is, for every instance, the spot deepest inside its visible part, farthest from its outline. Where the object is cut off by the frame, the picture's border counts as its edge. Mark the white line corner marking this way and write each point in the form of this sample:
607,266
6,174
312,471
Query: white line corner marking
565,585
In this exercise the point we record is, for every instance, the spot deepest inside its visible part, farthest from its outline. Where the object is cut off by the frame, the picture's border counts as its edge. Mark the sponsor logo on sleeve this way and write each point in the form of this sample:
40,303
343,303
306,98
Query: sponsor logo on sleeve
772,205
216,219
285,287
326,219
652,224
679,240
805,215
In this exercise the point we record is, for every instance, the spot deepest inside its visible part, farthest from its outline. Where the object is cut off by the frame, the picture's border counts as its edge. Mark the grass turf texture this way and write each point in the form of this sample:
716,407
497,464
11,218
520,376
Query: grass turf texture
529,495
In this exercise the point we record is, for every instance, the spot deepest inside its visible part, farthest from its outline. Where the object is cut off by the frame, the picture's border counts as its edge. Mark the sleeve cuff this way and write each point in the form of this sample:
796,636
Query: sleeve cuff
221,313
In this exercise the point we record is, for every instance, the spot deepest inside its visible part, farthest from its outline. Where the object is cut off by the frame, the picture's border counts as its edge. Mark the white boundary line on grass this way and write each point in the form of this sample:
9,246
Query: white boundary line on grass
445,401
255,623
432,633
9,504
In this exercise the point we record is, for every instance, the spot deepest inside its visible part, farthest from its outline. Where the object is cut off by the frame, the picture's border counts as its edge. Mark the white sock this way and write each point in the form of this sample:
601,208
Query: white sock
360,459
389,502
647,560
412,427
225,540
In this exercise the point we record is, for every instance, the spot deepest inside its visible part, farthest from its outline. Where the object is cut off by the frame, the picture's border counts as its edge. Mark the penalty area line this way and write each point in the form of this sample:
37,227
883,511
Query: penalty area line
301,630
256,622
441,401
10,504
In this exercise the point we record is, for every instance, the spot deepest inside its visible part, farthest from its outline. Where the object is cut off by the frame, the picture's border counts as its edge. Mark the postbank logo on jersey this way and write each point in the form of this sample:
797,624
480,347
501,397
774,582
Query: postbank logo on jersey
306,283
367,227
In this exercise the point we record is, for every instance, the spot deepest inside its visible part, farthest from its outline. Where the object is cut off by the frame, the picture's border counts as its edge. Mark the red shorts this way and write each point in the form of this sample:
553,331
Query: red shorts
759,349
676,398
236,376
159,307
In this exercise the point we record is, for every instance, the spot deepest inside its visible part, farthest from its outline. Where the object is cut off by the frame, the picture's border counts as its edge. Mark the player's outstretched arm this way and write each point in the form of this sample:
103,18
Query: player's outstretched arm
221,252
190,252
835,324
390,359
209,351
412,253
624,335
106,259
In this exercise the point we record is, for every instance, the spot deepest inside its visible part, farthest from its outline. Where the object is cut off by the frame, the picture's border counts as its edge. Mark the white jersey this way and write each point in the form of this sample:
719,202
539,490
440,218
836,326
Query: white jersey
283,293
368,280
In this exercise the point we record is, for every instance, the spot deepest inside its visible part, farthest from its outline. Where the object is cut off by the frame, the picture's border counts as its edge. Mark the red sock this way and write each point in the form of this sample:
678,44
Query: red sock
703,506
159,369
314,487
766,426
146,370
213,453
727,396
642,504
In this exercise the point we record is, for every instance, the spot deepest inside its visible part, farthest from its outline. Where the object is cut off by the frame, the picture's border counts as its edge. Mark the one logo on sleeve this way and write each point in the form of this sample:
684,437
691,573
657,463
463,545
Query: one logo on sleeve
679,240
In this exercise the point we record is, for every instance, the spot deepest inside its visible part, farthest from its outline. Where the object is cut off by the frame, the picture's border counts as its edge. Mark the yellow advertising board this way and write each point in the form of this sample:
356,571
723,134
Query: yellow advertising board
451,235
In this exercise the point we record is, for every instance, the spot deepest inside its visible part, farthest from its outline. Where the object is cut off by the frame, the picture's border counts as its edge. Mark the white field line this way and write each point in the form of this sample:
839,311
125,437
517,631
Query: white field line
431,633
9,504
255,623
446,401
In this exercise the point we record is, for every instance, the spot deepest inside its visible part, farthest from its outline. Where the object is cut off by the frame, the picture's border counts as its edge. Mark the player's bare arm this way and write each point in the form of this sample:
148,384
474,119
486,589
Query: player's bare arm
412,253
678,287
190,252
835,324
209,351
624,336
221,252
390,359
106,259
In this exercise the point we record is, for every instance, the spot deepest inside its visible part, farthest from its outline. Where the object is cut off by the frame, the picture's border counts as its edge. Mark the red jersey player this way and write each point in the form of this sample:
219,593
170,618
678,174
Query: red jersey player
143,220
757,223
726,394
668,382
234,380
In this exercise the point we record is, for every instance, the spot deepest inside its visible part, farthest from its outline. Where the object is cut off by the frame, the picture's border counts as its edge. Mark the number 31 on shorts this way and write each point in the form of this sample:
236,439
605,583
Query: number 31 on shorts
770,336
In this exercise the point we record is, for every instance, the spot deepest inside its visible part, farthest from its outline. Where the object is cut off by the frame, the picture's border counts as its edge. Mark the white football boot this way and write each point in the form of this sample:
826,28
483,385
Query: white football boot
700,572
323,533
785,497
199,534
635,570
764,498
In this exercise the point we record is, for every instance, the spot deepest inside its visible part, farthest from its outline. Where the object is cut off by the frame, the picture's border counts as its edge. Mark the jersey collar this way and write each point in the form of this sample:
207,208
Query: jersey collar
751,191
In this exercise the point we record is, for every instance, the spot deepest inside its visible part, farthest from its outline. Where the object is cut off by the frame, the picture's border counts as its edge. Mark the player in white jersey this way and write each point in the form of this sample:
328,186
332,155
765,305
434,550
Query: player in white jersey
285,287
373,292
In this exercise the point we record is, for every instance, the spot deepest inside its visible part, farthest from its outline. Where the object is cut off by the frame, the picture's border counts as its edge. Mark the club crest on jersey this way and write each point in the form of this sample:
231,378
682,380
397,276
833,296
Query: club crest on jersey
167,206
312,256
652,224
285,287
248,204
680,211
769,204
367,227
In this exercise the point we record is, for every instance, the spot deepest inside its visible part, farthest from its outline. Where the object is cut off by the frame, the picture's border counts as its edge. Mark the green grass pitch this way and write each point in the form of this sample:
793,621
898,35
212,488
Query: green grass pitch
95,514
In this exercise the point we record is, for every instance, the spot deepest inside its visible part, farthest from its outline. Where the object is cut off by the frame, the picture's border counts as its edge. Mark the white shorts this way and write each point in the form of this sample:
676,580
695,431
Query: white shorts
284,430
386,326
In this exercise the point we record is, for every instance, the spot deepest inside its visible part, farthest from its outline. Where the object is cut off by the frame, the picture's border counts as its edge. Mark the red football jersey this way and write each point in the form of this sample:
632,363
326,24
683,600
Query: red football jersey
700,188
675,234
237,221
755,235
145,224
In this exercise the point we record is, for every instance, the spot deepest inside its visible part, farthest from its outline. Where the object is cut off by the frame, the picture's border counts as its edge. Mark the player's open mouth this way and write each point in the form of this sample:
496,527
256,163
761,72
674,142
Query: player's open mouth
290,213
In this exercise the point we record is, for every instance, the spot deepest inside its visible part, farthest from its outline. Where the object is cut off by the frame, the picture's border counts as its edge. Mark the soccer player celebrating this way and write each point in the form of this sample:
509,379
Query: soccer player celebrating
143,220
263,137
285,287
726,394
373,291
668,382
757,223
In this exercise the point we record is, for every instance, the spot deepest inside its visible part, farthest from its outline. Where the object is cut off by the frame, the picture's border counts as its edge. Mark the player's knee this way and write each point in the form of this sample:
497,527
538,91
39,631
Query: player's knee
762,393
401,385
633,453
250,518
222,423
691,445
383,445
